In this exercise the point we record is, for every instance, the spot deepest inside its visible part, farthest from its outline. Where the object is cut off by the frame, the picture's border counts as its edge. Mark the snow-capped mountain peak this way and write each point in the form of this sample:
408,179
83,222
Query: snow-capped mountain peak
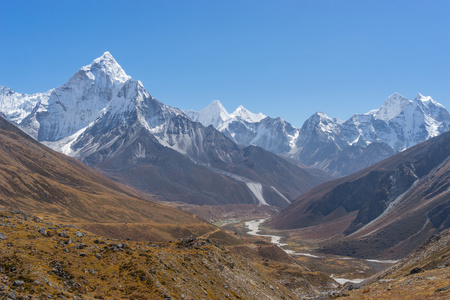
246,115
427,100
214,114
16,106
393,105
106,65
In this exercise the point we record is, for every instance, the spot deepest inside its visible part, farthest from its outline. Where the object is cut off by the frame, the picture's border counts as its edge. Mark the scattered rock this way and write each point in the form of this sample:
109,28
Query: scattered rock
82,254
18,283
62,234
2,236
81,246
416,270
43,231
442,289
58,270
79,234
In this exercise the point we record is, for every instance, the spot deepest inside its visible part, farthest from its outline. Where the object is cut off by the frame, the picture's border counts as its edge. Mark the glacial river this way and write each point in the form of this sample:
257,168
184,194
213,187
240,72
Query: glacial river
253,227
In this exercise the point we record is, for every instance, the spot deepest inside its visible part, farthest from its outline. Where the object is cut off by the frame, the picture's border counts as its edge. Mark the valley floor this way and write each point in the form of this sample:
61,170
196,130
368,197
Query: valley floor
340,268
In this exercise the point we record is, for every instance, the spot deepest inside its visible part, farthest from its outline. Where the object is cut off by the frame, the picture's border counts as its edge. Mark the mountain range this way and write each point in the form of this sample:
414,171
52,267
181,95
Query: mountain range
338,147
106,119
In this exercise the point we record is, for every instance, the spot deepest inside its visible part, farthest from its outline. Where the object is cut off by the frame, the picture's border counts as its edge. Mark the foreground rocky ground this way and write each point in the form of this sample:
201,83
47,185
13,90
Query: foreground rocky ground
44,260
424,274
431,284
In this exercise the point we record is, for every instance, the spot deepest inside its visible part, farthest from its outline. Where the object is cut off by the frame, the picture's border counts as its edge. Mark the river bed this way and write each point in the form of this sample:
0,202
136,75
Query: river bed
253,227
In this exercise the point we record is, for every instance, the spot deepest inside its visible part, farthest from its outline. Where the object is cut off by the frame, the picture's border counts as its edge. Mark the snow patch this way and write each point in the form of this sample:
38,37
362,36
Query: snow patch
257,190
280,194
344,280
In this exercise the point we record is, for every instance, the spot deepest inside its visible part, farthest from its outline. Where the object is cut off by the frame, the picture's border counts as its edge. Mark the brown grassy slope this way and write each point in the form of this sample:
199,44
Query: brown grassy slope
59,264
37,180
431,279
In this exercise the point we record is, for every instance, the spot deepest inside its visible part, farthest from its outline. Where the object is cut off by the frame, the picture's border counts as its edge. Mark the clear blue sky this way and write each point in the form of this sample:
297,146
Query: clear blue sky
282,58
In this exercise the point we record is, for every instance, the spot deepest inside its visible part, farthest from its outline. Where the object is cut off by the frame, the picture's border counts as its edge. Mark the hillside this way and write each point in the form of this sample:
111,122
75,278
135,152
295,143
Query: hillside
424,274
38,180
40,259
385,210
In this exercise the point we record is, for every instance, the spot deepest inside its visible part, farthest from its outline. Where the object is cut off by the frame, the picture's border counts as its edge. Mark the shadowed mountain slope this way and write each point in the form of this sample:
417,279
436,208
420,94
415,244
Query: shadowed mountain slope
385,210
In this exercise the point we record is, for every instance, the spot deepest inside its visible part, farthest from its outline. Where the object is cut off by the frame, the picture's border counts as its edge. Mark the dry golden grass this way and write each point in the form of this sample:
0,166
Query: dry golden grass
425,285
55,187
37,265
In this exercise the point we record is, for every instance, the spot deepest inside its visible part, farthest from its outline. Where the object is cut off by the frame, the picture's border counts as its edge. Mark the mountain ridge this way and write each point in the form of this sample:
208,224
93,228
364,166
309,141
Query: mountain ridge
341,147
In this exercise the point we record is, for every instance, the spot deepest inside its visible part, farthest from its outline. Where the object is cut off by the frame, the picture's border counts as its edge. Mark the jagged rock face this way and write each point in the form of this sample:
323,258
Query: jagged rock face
108,120
274,135
339,148
391,206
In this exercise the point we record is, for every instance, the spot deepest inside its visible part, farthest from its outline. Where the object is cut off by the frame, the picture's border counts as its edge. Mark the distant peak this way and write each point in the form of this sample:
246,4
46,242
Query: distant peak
106,65
246,115
421,97
318,117
392,107
216,103
105,59
107,54
240,109
397,98
322,115
396,95
215,107
427,101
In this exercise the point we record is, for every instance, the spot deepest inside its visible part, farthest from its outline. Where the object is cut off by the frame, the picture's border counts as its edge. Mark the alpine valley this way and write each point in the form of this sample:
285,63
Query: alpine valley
92,173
